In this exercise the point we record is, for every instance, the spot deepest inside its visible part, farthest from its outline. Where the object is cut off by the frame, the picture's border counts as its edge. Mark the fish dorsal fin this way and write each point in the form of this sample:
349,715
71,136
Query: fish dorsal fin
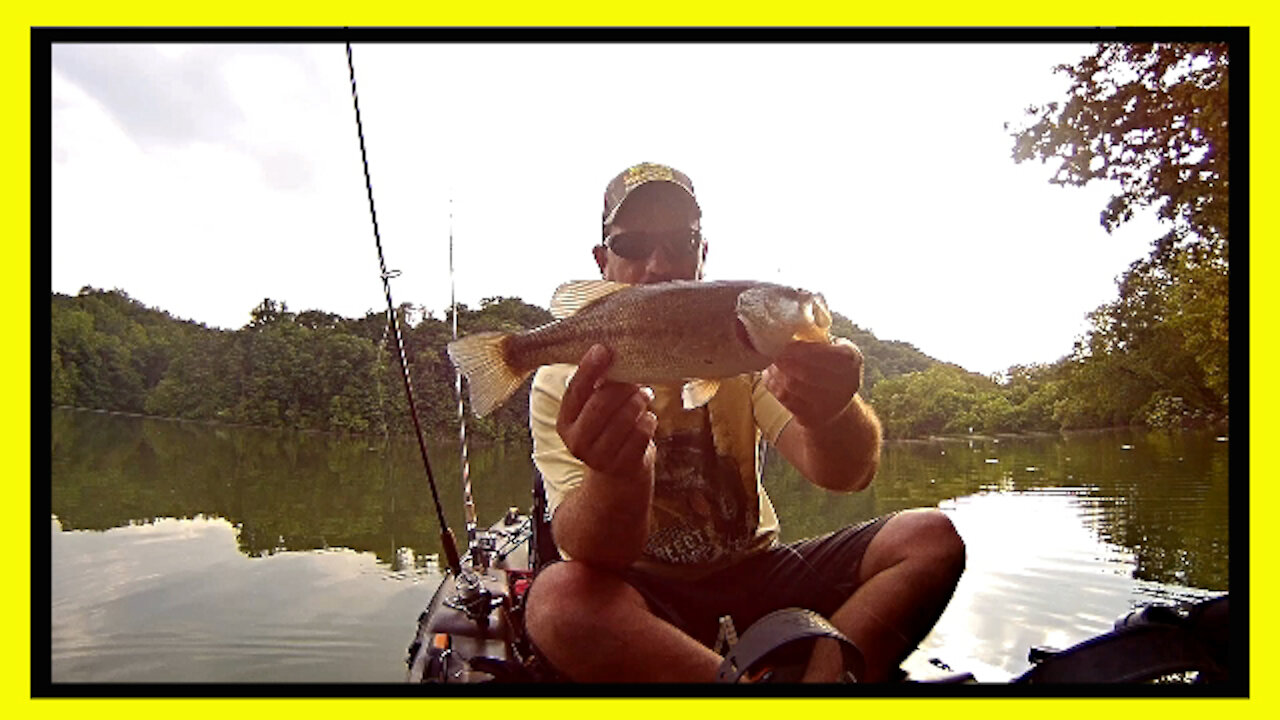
697,393
571,297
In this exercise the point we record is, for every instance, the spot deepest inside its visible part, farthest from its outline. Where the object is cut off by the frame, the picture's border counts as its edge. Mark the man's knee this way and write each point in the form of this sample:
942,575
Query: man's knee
938,538
927,535
940,541
571,594
552,590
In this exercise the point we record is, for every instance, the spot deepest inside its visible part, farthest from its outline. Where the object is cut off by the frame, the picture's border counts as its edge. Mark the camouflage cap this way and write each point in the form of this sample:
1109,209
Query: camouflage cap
633,177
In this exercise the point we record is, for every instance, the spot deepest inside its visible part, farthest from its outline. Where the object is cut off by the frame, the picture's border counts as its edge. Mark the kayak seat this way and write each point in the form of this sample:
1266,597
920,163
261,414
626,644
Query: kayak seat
543,549
776,642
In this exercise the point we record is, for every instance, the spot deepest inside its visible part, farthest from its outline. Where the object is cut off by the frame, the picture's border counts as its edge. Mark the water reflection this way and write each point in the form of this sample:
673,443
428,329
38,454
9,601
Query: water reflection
1036,576
189,551
280,490
1162,496
176,601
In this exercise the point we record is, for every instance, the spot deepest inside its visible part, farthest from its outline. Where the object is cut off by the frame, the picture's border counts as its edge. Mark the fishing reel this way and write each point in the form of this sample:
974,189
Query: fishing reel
473,598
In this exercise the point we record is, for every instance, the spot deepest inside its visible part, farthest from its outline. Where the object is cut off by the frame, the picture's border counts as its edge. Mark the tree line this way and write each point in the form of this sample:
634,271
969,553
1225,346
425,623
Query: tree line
316,370
311,370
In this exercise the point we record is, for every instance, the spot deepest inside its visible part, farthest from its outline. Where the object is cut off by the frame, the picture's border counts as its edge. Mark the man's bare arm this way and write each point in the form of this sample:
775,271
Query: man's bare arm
842,455
834,438
608,426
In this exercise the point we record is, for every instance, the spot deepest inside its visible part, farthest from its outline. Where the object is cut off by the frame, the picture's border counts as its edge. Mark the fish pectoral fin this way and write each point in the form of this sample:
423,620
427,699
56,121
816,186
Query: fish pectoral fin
571,297
697,393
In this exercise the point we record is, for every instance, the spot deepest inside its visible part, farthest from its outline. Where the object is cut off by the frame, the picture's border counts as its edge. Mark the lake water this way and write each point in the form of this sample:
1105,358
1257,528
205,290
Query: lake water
191,552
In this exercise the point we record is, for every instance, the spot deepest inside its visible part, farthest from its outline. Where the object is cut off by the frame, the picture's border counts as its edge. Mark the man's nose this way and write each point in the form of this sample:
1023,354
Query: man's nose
661,261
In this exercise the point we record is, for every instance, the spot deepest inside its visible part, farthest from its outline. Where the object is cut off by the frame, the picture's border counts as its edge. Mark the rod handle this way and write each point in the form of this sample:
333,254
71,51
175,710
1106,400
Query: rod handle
450,550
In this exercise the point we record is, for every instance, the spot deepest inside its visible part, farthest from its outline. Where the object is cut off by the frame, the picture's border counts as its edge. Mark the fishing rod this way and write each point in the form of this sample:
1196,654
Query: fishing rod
446,535
473,598
476,554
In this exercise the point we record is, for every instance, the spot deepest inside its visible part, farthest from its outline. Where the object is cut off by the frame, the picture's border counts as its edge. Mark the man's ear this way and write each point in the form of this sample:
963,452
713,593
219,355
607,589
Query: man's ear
601,254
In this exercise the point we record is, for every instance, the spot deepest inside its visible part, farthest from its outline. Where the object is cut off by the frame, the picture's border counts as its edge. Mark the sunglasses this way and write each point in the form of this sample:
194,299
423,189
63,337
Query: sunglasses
640,245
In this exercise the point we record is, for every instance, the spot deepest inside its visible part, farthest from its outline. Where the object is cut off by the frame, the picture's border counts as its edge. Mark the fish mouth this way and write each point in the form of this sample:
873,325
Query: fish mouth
744,337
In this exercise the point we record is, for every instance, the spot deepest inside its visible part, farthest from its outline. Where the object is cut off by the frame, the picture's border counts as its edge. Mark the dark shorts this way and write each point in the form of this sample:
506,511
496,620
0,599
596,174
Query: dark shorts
818,574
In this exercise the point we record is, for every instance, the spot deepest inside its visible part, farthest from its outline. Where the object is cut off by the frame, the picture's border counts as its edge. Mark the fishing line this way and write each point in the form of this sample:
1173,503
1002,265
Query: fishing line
446,535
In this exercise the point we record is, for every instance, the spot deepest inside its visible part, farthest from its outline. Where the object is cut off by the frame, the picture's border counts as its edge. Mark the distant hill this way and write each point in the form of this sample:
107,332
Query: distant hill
881,358
318,370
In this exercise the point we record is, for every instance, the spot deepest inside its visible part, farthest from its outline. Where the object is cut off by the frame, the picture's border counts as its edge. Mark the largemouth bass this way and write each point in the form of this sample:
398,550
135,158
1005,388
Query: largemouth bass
686,332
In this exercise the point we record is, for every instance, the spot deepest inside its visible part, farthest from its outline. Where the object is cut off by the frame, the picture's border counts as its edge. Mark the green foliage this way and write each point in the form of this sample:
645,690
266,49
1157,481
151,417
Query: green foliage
316,370
881,358
62,381
268,313
107,349
1165,337
1198,310
942,399
1152,117
311,370
948,400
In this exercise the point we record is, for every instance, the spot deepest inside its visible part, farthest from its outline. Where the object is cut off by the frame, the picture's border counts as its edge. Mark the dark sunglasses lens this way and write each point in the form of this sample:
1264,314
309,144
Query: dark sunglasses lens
632,246
638,246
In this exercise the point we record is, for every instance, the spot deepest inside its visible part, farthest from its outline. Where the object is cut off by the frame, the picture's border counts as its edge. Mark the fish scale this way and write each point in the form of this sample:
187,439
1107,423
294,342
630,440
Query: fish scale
656,332
675,332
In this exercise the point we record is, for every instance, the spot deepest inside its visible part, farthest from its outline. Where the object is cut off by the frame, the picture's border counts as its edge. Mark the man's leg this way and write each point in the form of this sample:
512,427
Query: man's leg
906,579
594,627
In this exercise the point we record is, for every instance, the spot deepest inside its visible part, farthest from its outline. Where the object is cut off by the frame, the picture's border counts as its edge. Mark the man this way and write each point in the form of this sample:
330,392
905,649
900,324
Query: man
660,513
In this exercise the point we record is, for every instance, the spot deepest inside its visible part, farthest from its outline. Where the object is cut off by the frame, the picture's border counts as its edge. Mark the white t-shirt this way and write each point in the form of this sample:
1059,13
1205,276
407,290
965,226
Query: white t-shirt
709,508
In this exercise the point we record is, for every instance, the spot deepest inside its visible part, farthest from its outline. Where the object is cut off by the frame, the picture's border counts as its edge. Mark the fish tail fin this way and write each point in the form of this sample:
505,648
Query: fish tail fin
481,358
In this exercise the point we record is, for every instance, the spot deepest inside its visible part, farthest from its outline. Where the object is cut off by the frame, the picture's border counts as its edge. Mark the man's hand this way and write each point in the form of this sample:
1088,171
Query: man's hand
816,381
607,425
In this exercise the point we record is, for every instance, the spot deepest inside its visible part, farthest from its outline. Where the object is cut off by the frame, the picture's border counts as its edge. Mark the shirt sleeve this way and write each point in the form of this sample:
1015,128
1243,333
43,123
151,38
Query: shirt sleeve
561,471
771,416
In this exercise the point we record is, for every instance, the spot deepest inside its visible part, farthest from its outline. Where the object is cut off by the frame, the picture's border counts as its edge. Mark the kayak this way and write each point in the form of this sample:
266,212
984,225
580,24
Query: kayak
472,628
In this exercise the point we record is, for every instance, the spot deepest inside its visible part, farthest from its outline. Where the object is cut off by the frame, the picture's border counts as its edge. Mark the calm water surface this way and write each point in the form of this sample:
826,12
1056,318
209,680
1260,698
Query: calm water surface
191,552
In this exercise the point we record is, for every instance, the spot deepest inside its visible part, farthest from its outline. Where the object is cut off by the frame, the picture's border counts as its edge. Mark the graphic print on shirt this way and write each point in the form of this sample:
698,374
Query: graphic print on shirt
705,503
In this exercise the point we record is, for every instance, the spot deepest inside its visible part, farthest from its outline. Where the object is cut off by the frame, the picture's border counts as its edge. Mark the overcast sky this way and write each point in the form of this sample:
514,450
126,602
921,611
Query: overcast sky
203,178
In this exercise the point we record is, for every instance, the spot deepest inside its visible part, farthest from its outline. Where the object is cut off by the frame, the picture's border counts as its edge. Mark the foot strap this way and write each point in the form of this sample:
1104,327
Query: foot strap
779,628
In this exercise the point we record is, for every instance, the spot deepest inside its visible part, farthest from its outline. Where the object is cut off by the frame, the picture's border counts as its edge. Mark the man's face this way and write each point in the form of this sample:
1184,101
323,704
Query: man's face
655,237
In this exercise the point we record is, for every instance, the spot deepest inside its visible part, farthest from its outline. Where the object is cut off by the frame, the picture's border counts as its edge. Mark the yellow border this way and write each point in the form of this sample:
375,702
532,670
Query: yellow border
15,371
16,290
